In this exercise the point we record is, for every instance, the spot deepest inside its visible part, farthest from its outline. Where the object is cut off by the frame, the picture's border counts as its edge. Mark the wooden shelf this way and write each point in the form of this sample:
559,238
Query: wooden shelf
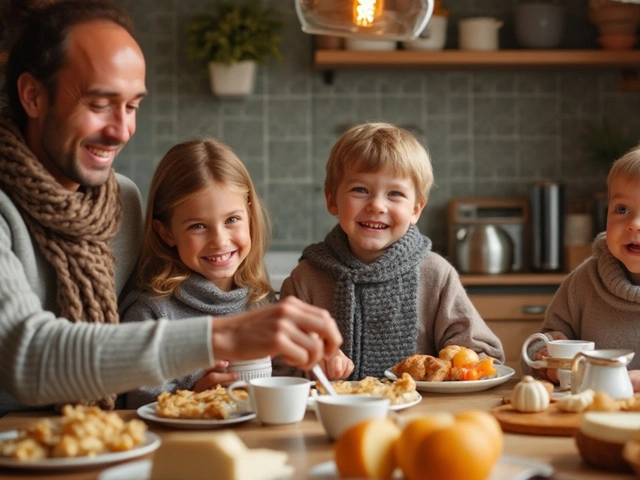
466,59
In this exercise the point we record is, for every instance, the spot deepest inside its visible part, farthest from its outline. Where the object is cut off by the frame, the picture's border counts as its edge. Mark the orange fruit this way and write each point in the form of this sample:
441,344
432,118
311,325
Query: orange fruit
464,357
489,425
407,445
366,449
457,452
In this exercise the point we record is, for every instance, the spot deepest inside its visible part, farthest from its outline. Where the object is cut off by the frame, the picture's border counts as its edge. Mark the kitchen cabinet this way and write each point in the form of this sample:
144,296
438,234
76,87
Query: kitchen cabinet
513,306
627,61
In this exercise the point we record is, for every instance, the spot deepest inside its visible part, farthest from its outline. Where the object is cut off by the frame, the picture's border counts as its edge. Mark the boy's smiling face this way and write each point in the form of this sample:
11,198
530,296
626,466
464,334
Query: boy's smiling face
623,224
374,210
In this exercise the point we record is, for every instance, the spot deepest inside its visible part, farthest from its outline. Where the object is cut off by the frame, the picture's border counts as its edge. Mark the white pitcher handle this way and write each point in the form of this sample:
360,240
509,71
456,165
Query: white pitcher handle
525,347
230,391
576,381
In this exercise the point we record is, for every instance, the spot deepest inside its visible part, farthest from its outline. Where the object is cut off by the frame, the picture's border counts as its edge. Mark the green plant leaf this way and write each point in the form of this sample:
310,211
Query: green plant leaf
235,33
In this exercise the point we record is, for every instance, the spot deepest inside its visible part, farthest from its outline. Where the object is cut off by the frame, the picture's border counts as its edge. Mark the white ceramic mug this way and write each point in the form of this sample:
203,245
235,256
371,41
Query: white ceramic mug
565,349
339,412
480,33
275,400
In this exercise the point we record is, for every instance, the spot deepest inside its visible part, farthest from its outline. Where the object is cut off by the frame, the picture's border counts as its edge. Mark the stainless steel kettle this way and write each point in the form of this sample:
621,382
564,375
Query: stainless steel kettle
484,249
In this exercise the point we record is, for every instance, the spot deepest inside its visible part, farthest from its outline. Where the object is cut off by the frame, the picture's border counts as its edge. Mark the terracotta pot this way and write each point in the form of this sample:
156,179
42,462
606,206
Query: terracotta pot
616,19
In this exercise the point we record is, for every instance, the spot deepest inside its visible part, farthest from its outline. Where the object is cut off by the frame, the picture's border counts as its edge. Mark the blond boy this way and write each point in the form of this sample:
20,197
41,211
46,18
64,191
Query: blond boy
390,294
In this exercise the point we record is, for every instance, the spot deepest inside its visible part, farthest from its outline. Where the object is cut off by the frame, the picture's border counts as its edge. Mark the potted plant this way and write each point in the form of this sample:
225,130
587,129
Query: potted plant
232,41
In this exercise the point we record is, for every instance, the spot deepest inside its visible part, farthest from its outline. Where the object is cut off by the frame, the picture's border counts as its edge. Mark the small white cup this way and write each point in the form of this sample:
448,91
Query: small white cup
275,400
339,412
566,349
480,33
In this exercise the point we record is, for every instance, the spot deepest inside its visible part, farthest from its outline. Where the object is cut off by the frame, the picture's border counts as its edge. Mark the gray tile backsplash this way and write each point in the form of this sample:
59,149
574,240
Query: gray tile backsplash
490,133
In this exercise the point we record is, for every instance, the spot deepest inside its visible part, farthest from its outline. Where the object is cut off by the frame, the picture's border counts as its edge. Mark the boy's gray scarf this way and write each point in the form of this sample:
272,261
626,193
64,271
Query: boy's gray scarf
199,293
375,305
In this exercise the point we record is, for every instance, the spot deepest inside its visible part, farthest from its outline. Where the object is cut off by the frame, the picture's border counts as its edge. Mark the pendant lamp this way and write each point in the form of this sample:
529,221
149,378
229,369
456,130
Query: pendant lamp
367,19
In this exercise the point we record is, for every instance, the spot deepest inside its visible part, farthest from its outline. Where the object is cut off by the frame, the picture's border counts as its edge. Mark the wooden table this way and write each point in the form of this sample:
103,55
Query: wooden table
307,444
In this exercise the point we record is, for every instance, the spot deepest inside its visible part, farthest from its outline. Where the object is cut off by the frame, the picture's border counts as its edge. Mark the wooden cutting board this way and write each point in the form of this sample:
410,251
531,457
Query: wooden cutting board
550,422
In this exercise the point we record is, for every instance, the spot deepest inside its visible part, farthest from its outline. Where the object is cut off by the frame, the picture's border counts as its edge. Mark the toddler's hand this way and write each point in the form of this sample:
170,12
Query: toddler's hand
337,367
216,375
550,374
634,376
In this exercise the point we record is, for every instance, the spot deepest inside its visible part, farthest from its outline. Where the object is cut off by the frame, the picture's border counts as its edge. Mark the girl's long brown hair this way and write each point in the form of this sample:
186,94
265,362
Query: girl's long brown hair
186,170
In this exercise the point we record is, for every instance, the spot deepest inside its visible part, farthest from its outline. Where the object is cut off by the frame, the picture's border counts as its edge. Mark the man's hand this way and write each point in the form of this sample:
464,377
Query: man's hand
303,334
337,367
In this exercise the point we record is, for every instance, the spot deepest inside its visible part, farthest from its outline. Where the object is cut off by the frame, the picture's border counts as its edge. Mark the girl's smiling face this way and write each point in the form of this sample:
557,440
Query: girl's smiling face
211,231
623,224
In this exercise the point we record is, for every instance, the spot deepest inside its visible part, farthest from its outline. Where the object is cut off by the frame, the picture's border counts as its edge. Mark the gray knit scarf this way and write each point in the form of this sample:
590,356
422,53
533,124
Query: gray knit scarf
199,293
376,304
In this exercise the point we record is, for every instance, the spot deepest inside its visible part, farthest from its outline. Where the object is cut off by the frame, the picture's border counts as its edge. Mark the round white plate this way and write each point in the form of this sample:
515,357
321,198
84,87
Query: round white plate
148,412
151,443
140,470
399,406
466,386
509,467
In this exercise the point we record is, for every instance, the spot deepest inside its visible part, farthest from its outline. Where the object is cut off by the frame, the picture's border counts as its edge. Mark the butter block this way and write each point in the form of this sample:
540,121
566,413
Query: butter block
614,427
215,456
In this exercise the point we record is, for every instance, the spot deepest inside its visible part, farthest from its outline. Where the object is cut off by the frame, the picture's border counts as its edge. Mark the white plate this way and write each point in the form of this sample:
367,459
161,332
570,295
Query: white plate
151,443
463,386
509,467
399,406
140,470
148,412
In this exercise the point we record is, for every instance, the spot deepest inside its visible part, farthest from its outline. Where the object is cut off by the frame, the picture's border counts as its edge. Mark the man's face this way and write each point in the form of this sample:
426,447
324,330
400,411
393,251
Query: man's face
93,114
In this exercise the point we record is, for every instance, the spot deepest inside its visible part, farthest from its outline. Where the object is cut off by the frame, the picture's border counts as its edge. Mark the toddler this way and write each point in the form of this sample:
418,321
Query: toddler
600,300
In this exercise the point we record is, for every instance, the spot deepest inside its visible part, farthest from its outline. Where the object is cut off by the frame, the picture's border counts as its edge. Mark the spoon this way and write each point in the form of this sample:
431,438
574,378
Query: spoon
322,378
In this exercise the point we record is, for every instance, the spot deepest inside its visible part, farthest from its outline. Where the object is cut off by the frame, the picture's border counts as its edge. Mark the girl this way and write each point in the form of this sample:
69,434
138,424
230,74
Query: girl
205,237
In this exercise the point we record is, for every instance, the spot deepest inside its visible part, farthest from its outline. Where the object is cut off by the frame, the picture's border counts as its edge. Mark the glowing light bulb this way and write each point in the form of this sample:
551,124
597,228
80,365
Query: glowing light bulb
365,12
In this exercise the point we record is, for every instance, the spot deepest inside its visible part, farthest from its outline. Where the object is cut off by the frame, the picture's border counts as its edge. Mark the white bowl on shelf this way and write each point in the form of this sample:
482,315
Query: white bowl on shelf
433,37
353,43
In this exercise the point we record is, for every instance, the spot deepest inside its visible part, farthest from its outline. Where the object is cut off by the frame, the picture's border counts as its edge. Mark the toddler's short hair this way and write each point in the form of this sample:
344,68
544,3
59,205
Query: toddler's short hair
627,167
375,146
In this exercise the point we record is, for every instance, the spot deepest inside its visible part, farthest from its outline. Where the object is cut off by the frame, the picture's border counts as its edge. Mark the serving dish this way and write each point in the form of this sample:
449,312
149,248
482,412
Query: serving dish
151,443
466,386
148,412
509,467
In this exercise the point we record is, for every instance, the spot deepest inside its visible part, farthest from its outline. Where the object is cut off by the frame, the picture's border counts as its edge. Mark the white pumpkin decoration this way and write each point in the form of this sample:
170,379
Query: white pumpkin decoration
530,396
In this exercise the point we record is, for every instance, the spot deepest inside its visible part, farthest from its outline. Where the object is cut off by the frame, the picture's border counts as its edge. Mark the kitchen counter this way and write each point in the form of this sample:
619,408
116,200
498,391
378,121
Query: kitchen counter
513,279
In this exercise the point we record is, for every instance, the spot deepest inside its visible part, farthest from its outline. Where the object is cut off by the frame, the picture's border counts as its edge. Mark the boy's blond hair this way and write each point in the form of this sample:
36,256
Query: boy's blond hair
627,167
185,171
373,147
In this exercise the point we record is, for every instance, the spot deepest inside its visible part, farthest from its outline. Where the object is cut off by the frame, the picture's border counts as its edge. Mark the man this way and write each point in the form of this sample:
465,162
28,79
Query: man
70,229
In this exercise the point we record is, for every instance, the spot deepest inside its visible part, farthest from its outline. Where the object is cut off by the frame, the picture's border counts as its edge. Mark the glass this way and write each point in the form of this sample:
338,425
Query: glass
367,19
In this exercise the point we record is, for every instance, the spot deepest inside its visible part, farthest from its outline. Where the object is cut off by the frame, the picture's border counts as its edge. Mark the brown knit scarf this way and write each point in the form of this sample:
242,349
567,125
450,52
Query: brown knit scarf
72,229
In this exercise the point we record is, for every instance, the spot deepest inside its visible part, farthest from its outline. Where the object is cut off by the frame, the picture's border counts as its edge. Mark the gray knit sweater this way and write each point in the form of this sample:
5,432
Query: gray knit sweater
598,302
195,296
46,360
446,315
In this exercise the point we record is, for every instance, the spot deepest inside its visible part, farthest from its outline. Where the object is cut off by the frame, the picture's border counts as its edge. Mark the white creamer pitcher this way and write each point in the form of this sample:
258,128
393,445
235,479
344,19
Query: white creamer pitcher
604,370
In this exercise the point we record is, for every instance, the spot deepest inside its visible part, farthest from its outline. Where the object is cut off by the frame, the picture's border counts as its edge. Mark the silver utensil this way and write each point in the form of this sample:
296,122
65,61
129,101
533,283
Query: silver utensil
322,378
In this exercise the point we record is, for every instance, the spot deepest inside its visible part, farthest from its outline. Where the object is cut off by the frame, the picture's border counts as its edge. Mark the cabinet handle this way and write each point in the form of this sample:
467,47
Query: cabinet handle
534,309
